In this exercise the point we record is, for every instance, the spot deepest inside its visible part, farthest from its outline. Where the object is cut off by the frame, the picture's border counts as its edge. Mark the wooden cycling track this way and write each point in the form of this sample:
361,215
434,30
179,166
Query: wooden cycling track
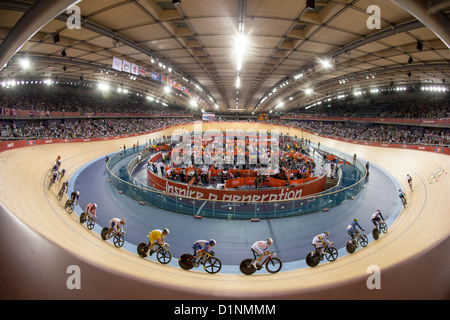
39,240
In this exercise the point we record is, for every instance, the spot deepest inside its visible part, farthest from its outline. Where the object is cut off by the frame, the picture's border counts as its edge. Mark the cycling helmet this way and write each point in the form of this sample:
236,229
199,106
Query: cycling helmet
355,219
212,242
269,240
123,220
327,233
77,193
95,205
166,230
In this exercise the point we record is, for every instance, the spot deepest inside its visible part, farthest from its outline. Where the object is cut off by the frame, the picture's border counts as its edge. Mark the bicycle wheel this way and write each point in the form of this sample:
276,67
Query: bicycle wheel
375,233
90,224
350,246
103,233
312,259
184,263
364,240
212,265
142,249
164,256
69,206
274,265
82,215
60,195
384,227
331,254
246,268
118,240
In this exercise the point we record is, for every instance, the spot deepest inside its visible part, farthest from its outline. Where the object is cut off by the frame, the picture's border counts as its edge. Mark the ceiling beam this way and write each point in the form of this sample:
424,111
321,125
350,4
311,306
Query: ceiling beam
39,14
436,21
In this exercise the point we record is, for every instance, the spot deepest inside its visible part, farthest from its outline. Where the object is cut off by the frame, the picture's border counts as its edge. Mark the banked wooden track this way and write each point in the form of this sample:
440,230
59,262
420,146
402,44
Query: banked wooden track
39,240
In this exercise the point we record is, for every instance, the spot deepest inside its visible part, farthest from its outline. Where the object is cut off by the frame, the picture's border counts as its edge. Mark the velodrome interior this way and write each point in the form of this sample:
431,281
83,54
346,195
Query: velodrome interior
282,75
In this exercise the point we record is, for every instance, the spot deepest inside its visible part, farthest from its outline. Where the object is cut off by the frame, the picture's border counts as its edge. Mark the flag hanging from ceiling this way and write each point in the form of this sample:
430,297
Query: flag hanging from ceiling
126,66
141,71
117,64
134,69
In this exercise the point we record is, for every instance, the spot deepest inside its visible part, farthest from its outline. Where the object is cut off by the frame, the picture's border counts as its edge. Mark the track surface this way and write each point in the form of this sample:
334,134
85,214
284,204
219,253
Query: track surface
412,256
292,236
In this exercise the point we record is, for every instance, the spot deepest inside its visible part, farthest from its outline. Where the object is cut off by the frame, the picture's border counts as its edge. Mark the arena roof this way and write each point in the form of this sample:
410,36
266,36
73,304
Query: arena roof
286,43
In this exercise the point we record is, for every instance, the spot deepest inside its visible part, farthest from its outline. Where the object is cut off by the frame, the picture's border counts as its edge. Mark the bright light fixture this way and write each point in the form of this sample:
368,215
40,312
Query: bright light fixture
240,47
25,63
103,87
325,63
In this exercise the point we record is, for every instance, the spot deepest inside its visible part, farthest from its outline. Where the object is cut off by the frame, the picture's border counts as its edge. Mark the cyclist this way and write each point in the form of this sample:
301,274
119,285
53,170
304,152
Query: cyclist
376,216
201,247
156,237
402,196
64,188
351,229
320,242
91,211
74,196
54,176
261,248
61,176
408,177
117,225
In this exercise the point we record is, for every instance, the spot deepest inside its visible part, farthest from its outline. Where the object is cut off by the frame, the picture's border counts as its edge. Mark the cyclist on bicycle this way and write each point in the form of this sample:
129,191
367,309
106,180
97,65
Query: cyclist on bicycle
408,177
117,225
320,242
74,196
54,176
201,247
351,229
91,211
376,217
261,248
64,187
61,176
402,196
156,237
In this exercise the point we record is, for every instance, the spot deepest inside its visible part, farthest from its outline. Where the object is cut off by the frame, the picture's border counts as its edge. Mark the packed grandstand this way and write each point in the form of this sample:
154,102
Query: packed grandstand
29,113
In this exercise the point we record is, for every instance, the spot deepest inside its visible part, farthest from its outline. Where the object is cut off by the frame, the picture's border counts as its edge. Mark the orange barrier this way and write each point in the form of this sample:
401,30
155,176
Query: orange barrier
280,192
298,182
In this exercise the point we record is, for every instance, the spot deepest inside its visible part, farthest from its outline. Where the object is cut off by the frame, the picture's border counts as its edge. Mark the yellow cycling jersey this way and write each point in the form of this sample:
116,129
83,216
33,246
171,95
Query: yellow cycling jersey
155,235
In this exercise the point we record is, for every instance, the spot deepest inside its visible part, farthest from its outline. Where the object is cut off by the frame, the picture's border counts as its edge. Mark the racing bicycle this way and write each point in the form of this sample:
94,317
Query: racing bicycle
381,227
210,263
117,237
313,258
353,244
69,206
162,253
90,223
273,264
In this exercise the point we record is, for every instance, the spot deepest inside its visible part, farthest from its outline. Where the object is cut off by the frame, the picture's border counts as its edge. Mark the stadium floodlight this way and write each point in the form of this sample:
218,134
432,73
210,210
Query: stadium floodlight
103,87
25,63
240,48
326,64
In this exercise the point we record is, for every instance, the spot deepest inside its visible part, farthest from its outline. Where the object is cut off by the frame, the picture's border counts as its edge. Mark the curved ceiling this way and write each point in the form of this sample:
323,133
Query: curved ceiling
286,43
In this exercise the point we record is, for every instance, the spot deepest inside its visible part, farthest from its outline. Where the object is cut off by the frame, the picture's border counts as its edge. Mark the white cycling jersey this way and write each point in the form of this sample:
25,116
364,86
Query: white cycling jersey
260,247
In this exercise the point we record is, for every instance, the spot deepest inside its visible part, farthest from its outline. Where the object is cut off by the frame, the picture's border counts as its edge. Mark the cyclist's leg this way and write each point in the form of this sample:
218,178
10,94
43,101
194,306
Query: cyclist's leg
111,228
151,244
375,221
